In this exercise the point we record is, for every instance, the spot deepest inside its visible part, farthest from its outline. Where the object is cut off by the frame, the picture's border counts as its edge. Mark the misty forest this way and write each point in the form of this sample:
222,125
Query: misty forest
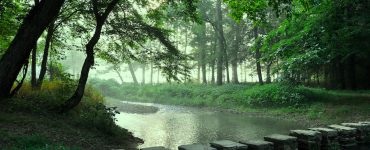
185,74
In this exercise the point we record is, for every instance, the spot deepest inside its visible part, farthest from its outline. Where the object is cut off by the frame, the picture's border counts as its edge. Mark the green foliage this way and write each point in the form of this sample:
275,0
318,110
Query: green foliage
11,13
272,95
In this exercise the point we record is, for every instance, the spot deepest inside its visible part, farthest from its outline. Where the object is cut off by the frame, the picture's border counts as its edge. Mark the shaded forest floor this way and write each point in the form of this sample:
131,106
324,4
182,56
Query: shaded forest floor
29,122
309,106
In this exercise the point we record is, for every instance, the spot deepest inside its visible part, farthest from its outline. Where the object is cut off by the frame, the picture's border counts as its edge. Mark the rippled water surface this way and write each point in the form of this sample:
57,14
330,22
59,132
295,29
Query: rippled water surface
172,126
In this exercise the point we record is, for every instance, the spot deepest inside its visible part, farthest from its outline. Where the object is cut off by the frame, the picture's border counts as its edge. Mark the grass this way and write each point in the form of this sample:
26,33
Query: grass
314,106
29,121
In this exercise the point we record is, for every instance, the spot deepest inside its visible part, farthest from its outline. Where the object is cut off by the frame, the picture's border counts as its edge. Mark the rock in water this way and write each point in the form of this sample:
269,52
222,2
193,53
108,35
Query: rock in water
346,135
228,145
329,139
307,139
258,145
282,142
361,131
195,147
154,148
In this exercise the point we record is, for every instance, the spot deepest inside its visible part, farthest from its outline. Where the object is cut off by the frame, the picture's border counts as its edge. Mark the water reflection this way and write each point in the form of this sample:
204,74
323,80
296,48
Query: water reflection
173,126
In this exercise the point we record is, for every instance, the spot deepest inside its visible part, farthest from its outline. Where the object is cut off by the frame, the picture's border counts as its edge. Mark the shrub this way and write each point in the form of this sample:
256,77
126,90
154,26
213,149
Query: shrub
90,113
274,95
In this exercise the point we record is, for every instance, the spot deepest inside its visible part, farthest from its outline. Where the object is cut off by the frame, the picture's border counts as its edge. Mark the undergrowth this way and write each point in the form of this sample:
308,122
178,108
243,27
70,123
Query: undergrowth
91,114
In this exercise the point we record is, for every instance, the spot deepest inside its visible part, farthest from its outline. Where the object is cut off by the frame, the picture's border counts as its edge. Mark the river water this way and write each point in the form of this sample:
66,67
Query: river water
172,126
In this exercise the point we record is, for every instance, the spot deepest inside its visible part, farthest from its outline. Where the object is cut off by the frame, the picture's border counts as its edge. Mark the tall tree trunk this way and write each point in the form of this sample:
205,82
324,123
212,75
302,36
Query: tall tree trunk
203,47
20,83
241,72
158,76
49,37
51,71
257,57
33,66
234,53
198,74
89,61
221,44
326,76
151,73
185,51
226,60
143,79
268,74
352,72
341,80
36,21
117,70
213,61
318,78
131,68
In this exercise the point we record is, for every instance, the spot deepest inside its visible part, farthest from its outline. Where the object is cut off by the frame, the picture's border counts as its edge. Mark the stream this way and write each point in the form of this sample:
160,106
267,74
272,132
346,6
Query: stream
171,126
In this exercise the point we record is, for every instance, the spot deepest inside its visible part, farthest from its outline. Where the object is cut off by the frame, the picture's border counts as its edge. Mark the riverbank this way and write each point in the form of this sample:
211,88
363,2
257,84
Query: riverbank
29,121
310,106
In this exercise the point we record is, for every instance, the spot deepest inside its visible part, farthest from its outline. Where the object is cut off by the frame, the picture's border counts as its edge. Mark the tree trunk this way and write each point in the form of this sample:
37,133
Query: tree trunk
158,77
117,70
221,45
352,72
51,71
268,74
234,53
226,60
131,68
143,79
151,73
198,75
36,21
213,61
16,89
49,37
318,78
203,47
341,80
33,66
257,57
89,61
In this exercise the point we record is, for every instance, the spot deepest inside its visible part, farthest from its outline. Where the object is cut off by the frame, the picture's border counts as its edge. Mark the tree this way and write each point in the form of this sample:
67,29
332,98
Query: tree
36,21
221,43
257,55
235,51
132,71
100,18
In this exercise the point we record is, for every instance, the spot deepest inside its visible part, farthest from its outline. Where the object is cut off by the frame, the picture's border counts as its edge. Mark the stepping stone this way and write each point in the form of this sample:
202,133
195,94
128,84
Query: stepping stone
326,131
258,145
365,122
228,145
282,142
343,130
346,135
306,135
307,139
367,131
154,148
362,131
195,147
329,139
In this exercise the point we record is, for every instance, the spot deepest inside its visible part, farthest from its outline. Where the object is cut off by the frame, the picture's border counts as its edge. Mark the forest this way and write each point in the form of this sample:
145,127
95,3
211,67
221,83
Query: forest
73,71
